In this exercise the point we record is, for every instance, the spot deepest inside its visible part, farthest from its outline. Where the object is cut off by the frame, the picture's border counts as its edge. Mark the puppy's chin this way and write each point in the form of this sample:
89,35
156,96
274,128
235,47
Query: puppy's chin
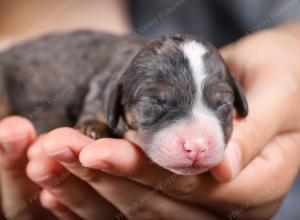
187,168
188,171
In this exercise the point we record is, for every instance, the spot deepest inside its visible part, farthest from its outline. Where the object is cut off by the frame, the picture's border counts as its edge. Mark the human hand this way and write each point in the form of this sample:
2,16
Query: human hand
64,194
134,200
19,195
263,156
267,65
274,159
59,191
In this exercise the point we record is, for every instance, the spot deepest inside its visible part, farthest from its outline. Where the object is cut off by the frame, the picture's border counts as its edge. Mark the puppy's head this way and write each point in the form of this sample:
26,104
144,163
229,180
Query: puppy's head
177,99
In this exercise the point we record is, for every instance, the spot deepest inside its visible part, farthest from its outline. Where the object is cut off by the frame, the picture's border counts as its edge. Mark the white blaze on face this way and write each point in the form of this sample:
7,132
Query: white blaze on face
201,125
194,52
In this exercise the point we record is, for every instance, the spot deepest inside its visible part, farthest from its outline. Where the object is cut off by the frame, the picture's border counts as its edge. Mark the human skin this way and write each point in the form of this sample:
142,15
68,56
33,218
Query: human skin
261,162
24,199
18,192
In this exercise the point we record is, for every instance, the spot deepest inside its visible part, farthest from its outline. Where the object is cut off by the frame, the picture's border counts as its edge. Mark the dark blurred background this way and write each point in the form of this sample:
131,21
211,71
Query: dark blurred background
219,21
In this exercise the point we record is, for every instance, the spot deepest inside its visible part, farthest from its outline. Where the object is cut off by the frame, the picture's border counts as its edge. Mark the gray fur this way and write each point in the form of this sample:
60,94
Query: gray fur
48,78
123,83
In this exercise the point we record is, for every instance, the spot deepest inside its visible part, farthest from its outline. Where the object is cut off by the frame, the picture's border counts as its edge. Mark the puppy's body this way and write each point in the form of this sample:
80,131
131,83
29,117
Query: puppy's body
173,96
48,79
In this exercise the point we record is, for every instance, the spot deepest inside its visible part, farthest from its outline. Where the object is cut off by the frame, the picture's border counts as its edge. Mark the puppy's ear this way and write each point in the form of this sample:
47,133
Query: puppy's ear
240,101
114,107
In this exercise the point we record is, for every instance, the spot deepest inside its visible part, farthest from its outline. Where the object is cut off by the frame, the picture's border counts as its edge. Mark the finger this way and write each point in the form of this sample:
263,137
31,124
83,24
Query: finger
35,149
123,159
265,180
49,202
204,190
66,150
18,191
272,160
127,158
16,134
63,145
267,116
65,187
120,157
55,145
138,202
133,164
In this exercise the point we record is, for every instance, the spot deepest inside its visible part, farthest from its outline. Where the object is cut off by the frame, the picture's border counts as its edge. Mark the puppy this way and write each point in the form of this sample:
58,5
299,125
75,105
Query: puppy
173,96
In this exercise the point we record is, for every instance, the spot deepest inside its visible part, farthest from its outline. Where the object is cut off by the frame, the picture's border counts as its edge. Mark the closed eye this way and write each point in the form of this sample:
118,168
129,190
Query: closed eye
225,107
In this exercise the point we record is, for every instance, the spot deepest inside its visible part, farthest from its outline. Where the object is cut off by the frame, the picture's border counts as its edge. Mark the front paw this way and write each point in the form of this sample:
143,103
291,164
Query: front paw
94,129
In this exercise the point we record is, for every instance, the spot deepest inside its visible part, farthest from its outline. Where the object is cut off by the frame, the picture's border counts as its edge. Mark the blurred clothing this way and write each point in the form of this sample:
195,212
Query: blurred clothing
290,207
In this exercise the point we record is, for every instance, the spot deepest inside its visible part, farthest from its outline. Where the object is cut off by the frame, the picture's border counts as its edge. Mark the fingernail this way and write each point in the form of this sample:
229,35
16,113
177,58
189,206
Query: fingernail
15,146
101,165
64,155
234,156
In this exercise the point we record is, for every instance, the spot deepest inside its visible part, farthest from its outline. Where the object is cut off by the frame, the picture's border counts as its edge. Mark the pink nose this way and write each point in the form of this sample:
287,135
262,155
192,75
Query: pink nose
195,148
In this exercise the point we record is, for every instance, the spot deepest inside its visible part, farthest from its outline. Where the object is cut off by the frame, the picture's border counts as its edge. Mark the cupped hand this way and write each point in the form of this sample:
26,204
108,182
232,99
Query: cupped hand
35,186
261,161
134,200
263,156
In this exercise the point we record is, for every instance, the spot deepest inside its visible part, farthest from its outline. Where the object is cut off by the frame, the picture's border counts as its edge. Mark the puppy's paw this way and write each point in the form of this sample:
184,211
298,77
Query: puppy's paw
94,129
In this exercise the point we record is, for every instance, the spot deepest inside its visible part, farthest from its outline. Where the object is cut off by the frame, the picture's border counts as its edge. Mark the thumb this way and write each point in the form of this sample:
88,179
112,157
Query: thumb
268,110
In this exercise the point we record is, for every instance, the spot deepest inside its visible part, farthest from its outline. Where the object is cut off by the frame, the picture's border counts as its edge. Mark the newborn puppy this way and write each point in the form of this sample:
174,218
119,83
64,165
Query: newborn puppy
172,96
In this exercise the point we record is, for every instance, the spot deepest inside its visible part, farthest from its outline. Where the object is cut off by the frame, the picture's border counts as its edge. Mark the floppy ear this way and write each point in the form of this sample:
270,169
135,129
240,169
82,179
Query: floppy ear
114,107
240,101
